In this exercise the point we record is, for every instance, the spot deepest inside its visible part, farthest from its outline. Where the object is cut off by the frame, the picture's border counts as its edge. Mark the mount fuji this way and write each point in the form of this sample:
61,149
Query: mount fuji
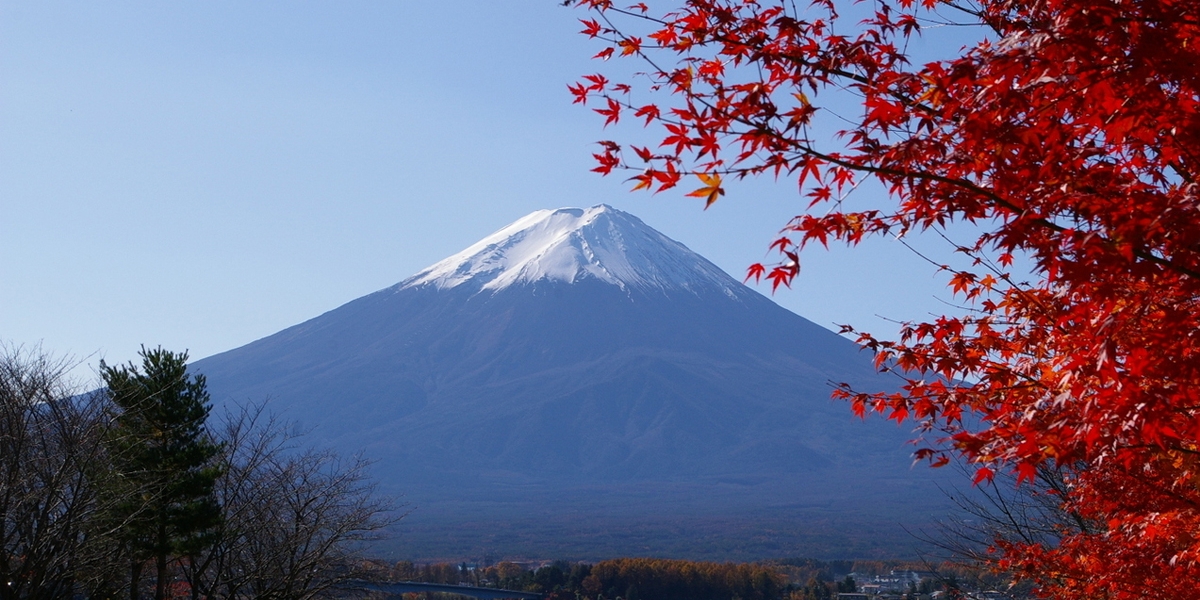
577,384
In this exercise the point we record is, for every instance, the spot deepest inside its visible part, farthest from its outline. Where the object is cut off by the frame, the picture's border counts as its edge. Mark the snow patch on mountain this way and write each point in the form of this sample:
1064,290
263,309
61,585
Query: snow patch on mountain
573,244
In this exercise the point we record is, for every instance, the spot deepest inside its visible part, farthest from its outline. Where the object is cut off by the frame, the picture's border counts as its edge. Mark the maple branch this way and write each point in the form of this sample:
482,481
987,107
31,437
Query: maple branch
1181,171
969,186
603,12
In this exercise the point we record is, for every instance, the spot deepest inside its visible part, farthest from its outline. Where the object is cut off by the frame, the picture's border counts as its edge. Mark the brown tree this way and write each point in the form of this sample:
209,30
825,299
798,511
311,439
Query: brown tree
51,454
292,517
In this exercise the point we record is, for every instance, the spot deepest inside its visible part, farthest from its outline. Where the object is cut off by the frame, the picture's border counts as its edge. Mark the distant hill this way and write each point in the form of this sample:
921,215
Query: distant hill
579,385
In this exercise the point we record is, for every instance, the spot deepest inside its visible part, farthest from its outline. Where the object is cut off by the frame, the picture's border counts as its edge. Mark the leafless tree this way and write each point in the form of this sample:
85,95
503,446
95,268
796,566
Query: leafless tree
1003,511
293,516
51,451
1030,513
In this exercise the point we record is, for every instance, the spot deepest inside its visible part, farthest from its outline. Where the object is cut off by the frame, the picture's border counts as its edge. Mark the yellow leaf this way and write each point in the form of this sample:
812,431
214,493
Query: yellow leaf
711,190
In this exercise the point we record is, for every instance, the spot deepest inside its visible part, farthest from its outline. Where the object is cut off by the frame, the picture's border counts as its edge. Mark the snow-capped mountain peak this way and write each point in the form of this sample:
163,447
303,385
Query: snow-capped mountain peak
573,244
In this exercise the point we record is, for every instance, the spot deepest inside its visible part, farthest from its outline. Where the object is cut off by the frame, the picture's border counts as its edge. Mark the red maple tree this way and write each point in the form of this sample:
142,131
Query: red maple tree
1070,136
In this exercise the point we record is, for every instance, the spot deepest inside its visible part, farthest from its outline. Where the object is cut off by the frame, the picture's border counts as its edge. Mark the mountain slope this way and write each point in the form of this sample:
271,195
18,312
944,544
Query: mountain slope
579,362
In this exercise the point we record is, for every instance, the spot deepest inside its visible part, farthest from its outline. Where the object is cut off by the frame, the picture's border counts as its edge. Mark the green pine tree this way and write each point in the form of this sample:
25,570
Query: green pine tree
163,464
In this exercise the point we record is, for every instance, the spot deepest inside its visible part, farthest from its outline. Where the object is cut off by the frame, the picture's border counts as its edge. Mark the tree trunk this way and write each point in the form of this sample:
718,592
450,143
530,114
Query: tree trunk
135,579
160,588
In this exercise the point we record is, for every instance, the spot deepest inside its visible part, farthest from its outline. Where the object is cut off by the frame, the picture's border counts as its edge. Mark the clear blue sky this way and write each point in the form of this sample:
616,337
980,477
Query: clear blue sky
201,174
